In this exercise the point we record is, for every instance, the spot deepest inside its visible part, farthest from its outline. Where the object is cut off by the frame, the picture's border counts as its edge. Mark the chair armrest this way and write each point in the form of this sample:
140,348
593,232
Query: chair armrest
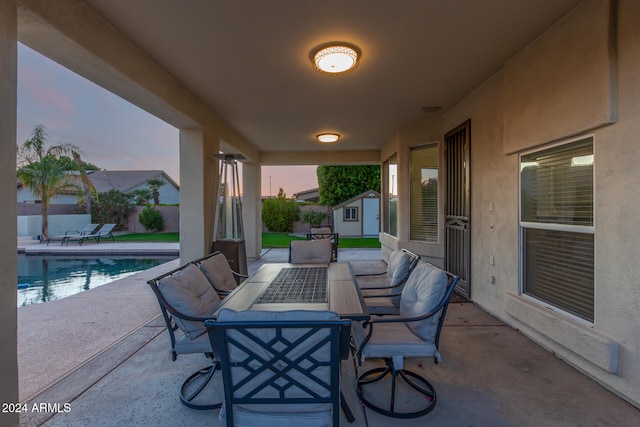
370,274
383,295
244,276
373,288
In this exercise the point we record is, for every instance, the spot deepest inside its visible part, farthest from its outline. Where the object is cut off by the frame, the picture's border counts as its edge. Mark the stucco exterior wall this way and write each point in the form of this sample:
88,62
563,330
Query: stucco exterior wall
170,218
606,97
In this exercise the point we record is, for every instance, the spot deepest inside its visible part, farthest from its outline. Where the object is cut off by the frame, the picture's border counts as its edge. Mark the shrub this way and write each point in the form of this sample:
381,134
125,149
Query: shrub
280,213
151,219
314,218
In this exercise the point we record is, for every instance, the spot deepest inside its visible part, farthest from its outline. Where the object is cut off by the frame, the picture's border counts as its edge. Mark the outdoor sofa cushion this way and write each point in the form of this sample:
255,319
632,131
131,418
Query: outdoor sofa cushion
190,293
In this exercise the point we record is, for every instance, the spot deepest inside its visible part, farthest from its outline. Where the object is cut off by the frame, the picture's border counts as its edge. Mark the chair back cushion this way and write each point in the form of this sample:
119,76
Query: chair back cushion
216,269
189,292
397,272
310,251
424,290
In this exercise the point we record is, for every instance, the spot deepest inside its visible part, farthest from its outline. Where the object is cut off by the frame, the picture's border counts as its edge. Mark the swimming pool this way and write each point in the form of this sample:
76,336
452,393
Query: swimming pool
44,278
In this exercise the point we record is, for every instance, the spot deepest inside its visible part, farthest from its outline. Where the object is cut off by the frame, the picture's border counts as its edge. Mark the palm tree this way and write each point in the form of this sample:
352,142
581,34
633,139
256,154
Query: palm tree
41,170
155,184
88,190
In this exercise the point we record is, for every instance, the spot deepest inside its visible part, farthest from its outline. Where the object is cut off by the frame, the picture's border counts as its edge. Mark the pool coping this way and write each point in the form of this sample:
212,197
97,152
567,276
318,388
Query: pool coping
105,248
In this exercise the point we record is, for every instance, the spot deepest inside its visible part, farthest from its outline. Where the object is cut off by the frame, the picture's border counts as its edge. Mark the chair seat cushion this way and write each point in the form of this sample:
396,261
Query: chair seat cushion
392,339
422,293
245,418
216,269
186,345
190,293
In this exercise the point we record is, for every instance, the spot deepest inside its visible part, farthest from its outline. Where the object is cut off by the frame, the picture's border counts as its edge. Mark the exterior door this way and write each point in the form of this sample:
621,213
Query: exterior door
370,216
458,206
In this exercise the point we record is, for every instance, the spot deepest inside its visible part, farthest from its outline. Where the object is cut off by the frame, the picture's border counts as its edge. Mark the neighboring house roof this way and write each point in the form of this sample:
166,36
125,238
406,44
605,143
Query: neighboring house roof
125,181
371,194
312,194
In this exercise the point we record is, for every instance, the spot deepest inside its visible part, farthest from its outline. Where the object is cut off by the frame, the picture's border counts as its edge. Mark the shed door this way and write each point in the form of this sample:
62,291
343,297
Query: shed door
458,207
370,217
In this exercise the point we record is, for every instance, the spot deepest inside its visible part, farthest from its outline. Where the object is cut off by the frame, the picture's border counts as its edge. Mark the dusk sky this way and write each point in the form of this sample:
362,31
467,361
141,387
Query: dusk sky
112,133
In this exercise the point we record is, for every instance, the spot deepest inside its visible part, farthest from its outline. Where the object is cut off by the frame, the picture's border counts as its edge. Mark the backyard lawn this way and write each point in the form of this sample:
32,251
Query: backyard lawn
269,240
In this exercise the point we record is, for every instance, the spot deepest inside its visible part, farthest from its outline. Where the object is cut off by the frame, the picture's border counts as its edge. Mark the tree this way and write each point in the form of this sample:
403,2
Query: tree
340,183
113,207
140,196
89,192
70,163
279,213
155,184
314,218
41,169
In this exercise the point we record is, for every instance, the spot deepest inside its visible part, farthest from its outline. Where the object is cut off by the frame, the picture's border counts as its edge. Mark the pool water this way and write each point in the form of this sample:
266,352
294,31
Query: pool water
44,278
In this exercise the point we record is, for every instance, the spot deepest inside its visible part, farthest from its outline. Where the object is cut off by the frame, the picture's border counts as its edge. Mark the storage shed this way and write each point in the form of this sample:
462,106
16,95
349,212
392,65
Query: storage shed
358,216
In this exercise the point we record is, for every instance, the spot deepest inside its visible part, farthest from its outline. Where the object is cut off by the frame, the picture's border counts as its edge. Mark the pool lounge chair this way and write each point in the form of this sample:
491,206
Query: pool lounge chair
104,231
87,229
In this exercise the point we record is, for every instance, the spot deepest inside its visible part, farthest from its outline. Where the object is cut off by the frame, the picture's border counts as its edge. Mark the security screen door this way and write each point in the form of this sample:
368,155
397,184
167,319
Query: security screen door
457,208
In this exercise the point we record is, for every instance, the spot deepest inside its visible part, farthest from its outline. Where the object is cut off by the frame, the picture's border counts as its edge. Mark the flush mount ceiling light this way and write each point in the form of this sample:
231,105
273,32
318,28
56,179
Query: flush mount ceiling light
335,57
328,138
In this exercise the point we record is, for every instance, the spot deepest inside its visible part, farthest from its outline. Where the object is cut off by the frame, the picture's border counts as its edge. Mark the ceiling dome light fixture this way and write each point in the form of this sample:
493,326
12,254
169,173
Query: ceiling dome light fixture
328,138
335,57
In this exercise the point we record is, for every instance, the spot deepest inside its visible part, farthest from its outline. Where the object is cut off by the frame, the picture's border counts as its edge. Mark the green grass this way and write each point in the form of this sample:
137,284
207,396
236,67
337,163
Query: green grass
149,237
282,240
269,240
359,242
277,240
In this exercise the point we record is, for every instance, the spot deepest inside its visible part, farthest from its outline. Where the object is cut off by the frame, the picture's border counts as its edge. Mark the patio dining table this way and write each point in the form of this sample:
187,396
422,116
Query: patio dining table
342,294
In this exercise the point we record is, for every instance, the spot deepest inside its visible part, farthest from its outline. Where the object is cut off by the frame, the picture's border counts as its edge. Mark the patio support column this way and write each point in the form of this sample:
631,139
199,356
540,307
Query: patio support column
9,229
252,209
198,187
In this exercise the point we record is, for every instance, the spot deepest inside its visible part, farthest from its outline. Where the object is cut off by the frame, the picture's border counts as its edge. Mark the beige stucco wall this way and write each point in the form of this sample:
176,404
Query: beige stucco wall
508,113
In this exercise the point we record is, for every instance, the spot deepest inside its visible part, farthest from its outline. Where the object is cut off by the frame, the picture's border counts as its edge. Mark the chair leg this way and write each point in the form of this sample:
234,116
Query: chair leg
204,375
414,380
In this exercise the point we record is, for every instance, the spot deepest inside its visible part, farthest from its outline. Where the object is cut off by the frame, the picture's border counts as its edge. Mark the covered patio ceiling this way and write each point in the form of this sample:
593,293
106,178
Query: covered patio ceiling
249,61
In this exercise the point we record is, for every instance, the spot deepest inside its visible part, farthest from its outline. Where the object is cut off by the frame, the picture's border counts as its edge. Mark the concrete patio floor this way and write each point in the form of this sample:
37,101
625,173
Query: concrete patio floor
105,352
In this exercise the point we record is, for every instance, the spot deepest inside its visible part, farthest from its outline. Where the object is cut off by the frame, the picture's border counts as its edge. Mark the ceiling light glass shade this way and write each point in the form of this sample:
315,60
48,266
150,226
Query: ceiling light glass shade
335,58
328,138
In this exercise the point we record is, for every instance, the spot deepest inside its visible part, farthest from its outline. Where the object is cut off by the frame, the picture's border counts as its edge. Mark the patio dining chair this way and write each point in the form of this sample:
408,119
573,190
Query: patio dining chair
318,233
414,333
186,299
279,368
310,251
386,299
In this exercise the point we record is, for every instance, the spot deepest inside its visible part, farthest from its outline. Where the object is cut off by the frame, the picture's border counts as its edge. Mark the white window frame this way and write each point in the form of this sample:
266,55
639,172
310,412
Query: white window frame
522,225
346,217
436,146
